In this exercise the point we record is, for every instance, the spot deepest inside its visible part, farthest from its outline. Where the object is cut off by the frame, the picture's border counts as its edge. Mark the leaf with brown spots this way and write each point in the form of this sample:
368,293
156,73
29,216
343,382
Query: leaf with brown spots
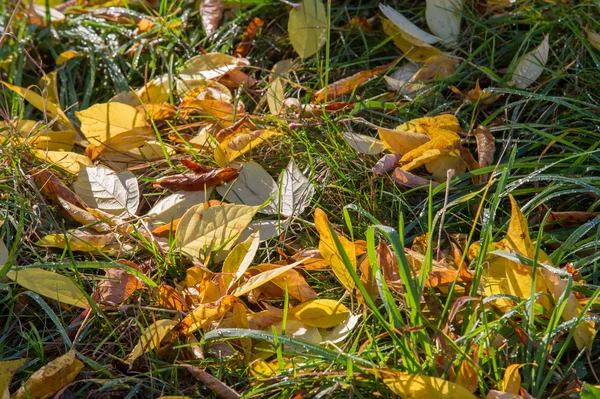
197,182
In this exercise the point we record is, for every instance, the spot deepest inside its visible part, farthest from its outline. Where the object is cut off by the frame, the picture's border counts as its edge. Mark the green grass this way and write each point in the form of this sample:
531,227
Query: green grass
547,157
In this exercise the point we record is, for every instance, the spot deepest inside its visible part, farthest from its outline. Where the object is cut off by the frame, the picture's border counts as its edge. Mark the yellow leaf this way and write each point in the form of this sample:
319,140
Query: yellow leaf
7,369
52,285
419,386
78,240
467,376
209,229
206,313
518,232
427,124
42,103
593,38
51,378
330,252
235,146
511,383
402,141
151,338
262,278
403,41
307,26
69,161
494,394
53,140
321,313
106,122
239,259
66,56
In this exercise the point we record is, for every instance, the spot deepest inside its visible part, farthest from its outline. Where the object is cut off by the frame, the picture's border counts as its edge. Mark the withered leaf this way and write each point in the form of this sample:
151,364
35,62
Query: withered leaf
199,181
244,47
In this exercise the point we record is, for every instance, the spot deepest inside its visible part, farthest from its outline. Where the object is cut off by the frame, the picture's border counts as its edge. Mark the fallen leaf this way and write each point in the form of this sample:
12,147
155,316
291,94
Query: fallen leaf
175,205
254,186
275,93
341,331
349,84
244,47
54,188
386,163
69,161
410,31
298,330
239,259
118,286
7,369
443,19
511,382
307,27
363,144
84,217
210,66
416,53
290,280
77,240
101,187
530,67
41,102
219,388
419,386
330,252
296,191
145,25
209,229
262,278
211,12
52,285
436,67
494,394
413,181
321,313
151,338
235,146
593,38
486,146
204,314
66,56
116,125
197,181
467,376
51,378
169,298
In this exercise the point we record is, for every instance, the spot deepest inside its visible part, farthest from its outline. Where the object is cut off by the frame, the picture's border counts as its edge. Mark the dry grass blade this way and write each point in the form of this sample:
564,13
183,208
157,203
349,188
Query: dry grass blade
218,387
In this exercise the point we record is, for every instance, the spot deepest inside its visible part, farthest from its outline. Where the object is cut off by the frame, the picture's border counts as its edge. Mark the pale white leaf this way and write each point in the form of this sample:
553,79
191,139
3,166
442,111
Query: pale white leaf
211,66
253,187
443,18
267,229
364,144
175,205
341,332
296,190
421,37
101,187
531,66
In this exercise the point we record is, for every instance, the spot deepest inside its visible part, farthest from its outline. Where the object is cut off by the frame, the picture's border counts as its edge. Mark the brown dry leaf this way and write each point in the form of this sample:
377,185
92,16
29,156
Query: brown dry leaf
77,240
198,181
330,252
388,263
413,181
312,259
494,394
349,84
145,25
118,286
436,67
247,40
211,12
54,188
51,378
484,97
570,218
219,388
486,146
204,314
236,78
84,217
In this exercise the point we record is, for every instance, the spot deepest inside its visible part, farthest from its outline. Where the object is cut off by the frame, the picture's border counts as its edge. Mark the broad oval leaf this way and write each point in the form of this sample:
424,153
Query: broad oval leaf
49,284
531,66
254,186
209,229
307,26
420,386
51,378
101,187
364,144
321,313
275,93
262,278
175,205
7,369
106,122
69,161
211,66
443,18
410,31
296,190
